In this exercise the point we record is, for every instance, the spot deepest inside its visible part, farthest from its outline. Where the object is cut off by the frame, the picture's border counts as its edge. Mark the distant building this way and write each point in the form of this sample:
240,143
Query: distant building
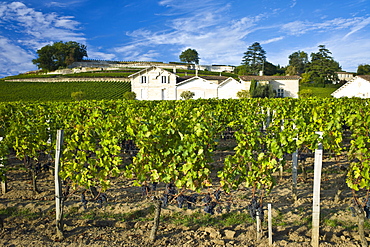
345,76
89,65
285,86
359,86
155,83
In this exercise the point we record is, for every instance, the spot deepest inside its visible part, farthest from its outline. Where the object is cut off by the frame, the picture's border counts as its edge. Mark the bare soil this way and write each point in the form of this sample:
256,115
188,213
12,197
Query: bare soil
125,220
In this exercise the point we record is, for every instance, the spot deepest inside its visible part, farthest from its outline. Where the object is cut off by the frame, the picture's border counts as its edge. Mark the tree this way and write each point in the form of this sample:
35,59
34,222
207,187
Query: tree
306,77
291,70
253,87
187,95
363,69
241,70
270,69
129,95
189,55
264,91
243,94
323,67
305,93
254,58
258,90
59,55
298,60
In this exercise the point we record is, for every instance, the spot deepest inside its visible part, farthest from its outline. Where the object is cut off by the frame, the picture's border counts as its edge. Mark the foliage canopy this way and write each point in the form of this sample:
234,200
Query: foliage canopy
254,58
59,55
323,67
189,56
363,69
187,95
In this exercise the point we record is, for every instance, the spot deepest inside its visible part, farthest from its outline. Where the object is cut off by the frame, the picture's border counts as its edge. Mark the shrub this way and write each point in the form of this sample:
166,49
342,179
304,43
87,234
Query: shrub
78,95
187,95
305,93
129,95
242,94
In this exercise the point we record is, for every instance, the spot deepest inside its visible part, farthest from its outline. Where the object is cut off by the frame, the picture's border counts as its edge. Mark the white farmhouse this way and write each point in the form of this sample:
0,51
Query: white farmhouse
285,86
204,87
155,83
359,86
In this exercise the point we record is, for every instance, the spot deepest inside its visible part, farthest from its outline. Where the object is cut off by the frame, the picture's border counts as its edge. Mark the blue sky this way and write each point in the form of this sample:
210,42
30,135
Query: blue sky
158,30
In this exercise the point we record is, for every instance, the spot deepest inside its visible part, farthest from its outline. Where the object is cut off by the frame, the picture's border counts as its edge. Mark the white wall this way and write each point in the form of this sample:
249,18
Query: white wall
356,88
154,89
229,89
202,88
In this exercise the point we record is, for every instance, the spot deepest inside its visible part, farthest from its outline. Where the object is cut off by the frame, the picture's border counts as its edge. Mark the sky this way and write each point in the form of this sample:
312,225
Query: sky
159,30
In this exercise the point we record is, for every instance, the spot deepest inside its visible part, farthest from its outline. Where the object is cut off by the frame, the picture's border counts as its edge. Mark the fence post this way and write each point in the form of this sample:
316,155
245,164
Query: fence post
58,186
4,186
316,194
269,218
259,226
294,175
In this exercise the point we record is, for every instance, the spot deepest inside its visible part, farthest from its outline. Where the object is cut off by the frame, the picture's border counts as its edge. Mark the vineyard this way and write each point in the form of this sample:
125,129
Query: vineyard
185,173
61,91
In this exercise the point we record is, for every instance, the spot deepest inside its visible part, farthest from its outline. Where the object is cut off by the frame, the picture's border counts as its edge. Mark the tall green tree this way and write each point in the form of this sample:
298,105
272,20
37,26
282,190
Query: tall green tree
59,55
254,58
363,69
271,69
323,66
189,56
291,70
299,60
253,87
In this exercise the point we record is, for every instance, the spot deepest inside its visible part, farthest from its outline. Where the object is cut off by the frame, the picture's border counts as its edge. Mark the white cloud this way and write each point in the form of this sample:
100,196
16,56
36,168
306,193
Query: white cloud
206,27
39,27
294,2
101,55
63,4
264,42
14,59
302,27
25,30
358,26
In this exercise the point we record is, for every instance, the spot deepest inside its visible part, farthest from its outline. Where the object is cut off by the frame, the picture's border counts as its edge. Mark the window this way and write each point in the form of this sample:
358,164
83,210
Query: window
165,79
144,94
143,79
280,93
163,94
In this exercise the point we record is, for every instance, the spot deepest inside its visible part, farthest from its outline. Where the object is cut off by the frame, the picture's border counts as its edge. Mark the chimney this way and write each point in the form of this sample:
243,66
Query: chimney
174,69
196,72
261,73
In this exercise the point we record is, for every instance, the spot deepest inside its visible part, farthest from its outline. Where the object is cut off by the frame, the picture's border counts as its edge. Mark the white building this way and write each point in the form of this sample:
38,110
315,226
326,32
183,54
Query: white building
345,76
285,86
155,83
359,86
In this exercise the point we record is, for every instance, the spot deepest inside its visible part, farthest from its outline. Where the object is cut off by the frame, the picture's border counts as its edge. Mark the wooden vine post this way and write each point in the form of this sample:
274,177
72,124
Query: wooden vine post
153,233
4,187
316,194
58,186
258,226
294,170
294,175
269,219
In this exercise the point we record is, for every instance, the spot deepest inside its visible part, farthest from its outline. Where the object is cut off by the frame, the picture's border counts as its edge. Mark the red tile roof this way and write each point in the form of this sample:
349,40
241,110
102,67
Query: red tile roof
268,78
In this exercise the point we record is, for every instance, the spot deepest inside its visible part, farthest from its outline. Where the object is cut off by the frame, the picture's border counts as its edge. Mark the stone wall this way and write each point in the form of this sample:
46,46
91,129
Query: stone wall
143,65
50,80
